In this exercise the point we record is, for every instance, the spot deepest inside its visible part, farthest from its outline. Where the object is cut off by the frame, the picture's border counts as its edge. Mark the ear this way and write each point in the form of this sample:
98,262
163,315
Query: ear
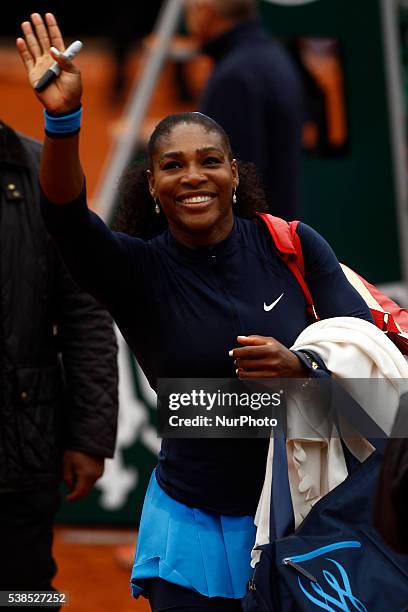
151,181
234,171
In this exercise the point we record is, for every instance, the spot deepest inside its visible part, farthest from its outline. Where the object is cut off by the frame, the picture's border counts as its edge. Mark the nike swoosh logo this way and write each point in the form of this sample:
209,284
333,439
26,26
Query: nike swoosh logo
268,308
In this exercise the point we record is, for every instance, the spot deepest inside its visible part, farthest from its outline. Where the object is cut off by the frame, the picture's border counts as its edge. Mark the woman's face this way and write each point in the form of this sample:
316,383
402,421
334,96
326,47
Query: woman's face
193,180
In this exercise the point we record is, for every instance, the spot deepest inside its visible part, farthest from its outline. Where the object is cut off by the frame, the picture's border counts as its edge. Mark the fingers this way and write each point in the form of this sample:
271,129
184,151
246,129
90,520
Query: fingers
68,474
25,54
54,32
43,36
257,374
64,63
260,357
41,32
31,40
253,352
259,360
81,488
254,364
80,473
255,340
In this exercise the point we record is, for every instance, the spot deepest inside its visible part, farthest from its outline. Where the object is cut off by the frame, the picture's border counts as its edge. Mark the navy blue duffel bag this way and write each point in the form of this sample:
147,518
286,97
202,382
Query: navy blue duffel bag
336,560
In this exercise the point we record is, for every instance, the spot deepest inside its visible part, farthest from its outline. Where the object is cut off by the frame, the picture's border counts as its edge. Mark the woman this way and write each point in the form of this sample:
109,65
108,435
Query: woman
206,296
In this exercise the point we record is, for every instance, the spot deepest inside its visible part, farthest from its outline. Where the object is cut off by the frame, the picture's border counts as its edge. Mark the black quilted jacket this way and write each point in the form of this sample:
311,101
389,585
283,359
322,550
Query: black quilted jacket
58,369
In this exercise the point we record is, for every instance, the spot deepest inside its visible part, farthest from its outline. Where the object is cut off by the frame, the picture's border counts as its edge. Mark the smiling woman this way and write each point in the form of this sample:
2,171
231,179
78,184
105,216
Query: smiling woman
170,158
193,178
191,303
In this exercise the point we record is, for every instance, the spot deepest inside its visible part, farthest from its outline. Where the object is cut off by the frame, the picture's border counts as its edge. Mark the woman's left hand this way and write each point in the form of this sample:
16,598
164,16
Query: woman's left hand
265,357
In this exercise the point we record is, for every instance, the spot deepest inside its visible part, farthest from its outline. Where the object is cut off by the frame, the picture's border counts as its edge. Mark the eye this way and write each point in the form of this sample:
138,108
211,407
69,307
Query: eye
171,165
210,161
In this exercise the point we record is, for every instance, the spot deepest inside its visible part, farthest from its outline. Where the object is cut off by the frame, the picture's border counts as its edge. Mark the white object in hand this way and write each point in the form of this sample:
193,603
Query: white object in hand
54,70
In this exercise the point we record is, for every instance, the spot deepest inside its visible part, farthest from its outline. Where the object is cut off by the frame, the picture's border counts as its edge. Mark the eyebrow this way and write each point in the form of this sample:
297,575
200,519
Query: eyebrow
181,154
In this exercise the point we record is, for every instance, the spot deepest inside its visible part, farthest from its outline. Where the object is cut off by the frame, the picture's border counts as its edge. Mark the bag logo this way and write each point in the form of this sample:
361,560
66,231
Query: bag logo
268,308
341,587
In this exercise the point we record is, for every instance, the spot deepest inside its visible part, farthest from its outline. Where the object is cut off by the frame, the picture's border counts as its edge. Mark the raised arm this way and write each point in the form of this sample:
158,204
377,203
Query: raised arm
61,175
99,260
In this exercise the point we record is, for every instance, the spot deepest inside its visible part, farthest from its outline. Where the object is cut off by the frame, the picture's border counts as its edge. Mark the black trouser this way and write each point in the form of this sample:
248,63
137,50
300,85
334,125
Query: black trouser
165,596
26,531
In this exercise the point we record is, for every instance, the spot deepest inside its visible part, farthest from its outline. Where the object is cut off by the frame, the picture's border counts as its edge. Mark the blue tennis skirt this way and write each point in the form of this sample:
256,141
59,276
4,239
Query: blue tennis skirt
202,551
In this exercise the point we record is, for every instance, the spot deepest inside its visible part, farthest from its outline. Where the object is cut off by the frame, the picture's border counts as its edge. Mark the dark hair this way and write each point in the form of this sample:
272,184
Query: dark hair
136,215
166,125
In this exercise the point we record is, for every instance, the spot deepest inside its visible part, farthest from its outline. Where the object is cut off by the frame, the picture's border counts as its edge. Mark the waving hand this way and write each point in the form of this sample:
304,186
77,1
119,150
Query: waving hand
41,46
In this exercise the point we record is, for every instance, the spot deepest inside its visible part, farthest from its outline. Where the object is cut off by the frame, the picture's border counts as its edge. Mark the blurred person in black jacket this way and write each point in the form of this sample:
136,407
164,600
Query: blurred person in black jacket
58,377
254,92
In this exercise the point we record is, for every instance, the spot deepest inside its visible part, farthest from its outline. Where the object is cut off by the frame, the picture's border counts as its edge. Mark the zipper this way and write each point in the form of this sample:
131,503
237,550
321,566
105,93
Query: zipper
300,569
325,549
251,582
294,561
234,312
251,586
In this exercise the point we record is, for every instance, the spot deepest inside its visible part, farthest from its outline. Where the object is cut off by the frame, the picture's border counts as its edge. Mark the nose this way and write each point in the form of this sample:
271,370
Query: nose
193,176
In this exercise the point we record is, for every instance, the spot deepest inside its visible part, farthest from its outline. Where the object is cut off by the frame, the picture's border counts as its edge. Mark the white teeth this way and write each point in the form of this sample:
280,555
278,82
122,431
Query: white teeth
196,199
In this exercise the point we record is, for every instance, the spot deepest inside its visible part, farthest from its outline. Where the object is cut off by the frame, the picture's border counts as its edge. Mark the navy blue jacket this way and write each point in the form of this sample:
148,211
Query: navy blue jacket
180,311
255,93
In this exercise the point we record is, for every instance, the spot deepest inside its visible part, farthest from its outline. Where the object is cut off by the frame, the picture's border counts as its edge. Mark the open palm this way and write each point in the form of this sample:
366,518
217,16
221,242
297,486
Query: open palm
64,94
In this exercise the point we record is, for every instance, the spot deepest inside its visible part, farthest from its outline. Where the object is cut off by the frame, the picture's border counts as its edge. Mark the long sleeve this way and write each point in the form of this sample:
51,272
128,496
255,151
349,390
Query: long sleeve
332,293
101,262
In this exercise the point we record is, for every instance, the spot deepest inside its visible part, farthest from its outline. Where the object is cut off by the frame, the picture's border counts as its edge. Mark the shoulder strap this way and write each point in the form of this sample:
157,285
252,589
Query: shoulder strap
289,247
387,315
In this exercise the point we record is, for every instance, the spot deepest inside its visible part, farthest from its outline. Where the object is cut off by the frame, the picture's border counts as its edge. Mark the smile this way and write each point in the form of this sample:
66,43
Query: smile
196,200
189,199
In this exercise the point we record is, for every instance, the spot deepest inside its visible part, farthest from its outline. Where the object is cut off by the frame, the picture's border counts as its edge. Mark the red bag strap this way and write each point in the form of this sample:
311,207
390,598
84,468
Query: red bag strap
289,247
298,246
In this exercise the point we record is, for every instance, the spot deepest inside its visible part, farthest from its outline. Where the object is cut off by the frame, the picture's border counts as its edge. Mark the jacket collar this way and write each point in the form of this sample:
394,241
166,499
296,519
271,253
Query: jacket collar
203,255
11,149
250,29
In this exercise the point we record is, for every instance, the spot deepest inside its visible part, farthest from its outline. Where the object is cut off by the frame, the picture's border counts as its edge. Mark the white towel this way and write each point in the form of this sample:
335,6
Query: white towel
352,349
